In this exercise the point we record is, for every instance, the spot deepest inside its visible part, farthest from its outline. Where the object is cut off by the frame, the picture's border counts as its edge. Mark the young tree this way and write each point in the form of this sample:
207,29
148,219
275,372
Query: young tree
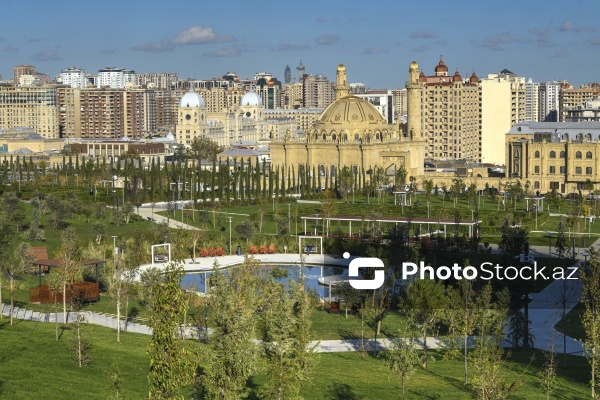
402,355
425,302
232,353
16,268
70,256
590,299
286,339
171,365
245,230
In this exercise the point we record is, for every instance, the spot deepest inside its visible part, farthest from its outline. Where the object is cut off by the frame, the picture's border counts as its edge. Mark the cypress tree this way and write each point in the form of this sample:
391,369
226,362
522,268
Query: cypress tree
264,177
212,178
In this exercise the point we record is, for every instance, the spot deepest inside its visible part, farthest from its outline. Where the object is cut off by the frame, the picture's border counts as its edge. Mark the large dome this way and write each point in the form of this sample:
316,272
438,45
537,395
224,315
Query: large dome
351,110
192,99
251,99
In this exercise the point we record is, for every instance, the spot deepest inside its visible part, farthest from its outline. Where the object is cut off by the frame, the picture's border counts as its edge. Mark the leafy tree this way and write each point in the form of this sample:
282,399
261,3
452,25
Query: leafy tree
230,359
14,269
245,230
590,299
562,248
402,355
400,177
462,315
346,180
14,209
171,365
428,187
99,230
425,302
71,258
458,186
286,339
348,294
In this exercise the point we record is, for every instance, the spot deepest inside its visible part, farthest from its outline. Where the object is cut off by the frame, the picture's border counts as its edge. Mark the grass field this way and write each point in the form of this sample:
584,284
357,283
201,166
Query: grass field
34,365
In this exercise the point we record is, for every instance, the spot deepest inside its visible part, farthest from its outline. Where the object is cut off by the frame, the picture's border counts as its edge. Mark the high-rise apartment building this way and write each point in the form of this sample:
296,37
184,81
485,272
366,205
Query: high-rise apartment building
292,95
30,106
444,110
103,113
532,101
503,104
73,77
116,78
22,70
570,98
317,91
548,95
157,80
287,75
399,98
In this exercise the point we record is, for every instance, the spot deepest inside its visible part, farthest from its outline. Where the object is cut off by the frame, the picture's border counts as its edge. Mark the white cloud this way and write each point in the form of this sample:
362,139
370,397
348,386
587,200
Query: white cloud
200,35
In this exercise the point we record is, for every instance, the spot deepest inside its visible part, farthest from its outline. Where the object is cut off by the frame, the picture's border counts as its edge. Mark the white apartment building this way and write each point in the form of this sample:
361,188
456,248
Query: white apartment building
549,101
532,101
111,77
73,77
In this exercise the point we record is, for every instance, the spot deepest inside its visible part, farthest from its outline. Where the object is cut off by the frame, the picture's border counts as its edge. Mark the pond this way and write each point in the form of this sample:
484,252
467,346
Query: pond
197,281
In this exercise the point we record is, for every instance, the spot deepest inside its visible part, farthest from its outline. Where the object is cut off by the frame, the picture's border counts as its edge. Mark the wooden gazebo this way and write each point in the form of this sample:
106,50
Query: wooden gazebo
86,291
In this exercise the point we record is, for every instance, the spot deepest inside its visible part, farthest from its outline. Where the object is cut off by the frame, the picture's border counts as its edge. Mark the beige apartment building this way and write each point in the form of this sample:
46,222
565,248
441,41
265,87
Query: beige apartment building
444,110
571,98
104,113
34,107
503,98
317,91
554,155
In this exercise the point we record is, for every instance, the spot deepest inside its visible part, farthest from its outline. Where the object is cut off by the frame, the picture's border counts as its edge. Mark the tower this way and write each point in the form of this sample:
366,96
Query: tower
414,101
300,68
341,87
287,75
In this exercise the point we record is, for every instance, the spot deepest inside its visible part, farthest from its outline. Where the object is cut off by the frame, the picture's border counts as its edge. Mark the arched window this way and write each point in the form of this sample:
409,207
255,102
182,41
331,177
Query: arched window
537,154
552,154
536,185
345,136
565,137
578,155
333,137
588,155
588,137
324,137
562,154
577,170
580,137
552,170
356,137
588,170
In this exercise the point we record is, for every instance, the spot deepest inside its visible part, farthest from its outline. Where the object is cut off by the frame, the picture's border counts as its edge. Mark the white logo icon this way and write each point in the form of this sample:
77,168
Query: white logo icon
365,262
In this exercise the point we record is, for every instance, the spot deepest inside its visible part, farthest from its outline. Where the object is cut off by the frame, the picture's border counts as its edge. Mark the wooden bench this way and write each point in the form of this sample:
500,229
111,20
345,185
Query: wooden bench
161,258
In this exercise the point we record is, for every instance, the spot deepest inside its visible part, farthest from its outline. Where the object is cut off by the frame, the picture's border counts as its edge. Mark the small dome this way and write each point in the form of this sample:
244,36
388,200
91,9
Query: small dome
341,67
474,79
192,99
456,77
251,99
422,77
441,67
413,66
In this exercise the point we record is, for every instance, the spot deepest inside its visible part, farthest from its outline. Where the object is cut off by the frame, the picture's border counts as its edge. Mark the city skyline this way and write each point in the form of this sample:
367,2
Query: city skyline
376,43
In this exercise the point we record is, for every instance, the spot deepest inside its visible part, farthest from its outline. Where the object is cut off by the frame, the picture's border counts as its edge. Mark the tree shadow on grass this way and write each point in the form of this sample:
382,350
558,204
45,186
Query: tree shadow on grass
342,391
346,334
455,382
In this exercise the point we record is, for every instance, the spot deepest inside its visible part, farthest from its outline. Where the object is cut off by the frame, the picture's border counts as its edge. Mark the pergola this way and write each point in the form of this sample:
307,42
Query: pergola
404,199
537,201
58,263
470,223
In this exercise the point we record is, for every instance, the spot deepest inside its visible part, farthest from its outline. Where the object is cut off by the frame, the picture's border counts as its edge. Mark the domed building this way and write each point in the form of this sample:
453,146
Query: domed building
350,132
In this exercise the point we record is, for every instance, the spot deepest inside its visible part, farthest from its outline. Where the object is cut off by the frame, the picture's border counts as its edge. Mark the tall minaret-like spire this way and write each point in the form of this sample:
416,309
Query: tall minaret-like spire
300,68
341,87
413,89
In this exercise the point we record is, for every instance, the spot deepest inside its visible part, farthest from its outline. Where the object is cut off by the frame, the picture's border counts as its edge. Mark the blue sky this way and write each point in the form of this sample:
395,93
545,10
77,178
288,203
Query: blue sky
375,40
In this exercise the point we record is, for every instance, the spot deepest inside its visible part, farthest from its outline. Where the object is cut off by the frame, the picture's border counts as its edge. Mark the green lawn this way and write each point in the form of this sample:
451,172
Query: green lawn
34,365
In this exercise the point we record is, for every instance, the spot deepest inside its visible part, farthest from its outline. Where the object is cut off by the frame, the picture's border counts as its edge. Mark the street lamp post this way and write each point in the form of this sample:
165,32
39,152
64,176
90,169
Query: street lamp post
229,235
428,205
585,256
550,248
289,219
114,253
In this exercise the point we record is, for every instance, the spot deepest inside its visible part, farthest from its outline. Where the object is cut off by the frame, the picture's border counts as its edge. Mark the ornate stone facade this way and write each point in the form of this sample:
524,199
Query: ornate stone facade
351,133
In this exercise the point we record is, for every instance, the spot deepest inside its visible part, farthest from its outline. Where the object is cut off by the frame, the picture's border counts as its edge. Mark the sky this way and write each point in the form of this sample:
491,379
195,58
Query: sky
376,40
